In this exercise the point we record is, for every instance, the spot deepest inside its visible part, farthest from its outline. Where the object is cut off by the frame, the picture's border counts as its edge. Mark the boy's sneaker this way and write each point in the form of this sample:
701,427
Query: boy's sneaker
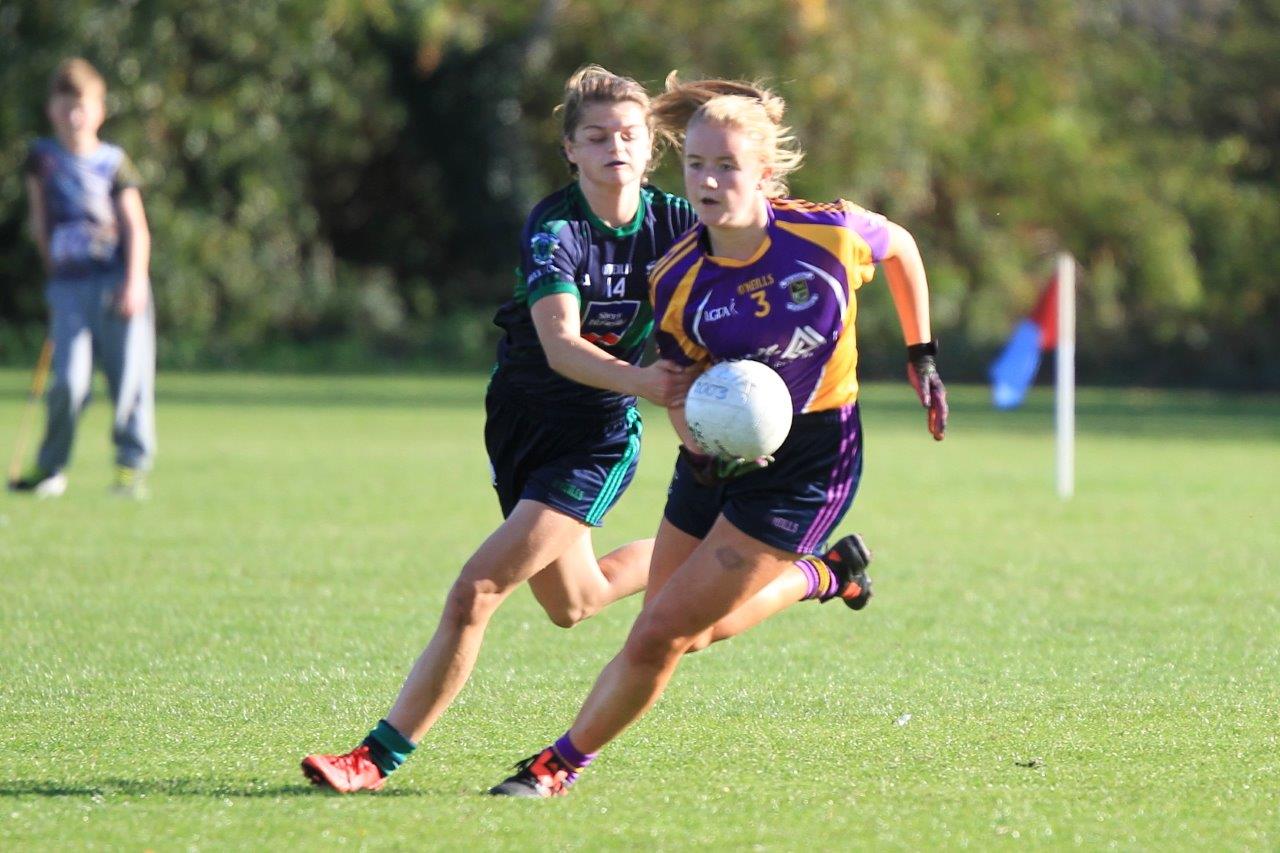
541,775
129,483
848,560
346,774
40,483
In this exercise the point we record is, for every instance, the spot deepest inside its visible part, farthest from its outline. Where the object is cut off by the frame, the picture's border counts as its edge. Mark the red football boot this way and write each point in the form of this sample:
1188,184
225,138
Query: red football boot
542,775
346,774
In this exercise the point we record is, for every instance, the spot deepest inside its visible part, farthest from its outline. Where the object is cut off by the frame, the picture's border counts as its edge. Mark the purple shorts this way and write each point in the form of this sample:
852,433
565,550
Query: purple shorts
794,503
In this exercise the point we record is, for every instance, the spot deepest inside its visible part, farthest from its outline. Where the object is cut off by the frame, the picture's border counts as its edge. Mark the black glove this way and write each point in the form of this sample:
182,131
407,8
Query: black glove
922,371
713,471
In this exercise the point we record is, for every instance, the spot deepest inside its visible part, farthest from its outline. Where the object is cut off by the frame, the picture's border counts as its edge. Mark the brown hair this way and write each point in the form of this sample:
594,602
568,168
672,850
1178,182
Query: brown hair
593,84
749,107
76,77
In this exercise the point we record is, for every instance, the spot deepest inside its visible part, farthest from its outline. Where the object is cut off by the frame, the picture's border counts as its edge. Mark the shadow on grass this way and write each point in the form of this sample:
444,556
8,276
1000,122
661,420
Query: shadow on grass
393,391
174,788
1100,411
303,391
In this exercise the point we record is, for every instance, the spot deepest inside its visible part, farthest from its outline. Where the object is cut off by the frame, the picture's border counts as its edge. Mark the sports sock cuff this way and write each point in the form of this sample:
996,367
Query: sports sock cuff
391,738
387,747
827,583
570,753
811,579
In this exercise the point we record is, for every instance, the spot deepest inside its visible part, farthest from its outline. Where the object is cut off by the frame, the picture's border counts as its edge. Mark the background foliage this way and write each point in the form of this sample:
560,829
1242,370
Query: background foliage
328,181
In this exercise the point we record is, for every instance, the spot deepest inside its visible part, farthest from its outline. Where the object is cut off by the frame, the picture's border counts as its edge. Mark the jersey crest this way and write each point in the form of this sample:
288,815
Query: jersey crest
544,243
797,286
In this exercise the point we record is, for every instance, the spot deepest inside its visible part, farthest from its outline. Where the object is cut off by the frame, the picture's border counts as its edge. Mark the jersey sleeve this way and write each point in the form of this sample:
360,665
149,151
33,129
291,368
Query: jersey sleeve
669,291
873,228
127,176
549,259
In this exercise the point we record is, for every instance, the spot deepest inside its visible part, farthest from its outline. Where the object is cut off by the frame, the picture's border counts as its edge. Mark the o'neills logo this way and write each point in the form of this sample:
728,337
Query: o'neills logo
752,285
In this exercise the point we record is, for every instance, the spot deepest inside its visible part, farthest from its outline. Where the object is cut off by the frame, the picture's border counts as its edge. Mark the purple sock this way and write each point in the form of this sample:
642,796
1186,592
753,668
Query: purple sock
811,578
578,761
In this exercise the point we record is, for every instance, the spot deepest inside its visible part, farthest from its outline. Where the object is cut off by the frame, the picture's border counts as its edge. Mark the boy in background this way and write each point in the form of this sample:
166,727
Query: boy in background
89,224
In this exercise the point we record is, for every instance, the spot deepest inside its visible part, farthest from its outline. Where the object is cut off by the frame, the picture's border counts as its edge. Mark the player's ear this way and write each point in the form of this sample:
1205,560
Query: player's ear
567,145
766,174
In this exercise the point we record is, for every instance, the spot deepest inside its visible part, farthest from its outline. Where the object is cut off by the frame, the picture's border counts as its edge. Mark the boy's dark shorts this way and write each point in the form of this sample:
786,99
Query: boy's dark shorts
578,467
795,502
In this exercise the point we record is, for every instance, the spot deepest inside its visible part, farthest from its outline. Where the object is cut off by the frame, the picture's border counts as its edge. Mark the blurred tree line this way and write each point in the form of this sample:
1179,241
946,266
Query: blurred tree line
334,180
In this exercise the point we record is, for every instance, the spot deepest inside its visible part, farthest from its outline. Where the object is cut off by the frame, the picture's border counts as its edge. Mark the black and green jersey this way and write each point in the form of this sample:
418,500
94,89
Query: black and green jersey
565,248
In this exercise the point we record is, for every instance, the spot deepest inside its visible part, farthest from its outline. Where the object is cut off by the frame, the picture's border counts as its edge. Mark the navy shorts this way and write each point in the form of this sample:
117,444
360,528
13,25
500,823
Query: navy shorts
794,503
580,467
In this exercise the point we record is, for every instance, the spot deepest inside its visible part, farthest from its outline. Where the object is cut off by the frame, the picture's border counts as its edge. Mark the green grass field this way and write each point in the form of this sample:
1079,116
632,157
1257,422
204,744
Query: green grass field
1102,672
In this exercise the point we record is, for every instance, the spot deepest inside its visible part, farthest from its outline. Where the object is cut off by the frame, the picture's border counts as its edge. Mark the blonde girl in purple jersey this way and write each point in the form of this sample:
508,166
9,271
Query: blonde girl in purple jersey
773,279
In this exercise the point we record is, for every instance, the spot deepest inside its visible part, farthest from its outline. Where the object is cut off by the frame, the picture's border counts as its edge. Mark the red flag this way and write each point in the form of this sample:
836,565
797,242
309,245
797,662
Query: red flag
1015,369
1045,315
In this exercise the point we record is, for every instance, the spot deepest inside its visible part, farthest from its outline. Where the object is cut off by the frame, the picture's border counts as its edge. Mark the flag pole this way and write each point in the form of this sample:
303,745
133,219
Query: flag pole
1065,385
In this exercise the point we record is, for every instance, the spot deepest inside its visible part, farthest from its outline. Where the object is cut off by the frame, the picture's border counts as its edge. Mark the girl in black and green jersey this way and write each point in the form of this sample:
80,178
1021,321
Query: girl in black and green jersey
562,433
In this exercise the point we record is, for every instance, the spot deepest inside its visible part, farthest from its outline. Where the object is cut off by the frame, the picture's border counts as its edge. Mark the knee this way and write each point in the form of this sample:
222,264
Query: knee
701,641
71,391
567,611
60,391
567,615
655,643
472,602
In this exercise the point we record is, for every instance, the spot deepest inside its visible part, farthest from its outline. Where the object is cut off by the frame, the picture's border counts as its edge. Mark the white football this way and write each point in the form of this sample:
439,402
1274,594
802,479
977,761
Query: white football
739,410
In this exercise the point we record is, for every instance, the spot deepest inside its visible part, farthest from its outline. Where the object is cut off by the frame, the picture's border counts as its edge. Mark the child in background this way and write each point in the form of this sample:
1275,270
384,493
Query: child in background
89,224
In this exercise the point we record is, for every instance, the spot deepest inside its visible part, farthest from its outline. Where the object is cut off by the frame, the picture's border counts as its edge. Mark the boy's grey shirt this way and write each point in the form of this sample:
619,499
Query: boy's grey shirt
80,193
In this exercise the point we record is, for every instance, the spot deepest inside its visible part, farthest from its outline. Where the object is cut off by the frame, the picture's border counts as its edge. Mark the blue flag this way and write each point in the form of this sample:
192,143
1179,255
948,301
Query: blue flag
1015,369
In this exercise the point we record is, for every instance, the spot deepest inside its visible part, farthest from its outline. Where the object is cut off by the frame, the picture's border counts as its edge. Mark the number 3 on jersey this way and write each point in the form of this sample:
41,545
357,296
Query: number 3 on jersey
762,299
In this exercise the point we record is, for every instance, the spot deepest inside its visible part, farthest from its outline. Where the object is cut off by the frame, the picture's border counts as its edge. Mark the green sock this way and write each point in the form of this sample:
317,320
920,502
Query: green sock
387,747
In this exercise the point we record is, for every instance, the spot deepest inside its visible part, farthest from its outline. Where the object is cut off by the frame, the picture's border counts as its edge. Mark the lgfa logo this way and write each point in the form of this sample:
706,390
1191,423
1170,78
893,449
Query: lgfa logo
720,312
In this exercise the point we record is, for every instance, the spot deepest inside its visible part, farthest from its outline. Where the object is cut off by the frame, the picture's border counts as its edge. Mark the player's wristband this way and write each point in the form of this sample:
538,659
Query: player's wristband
915,351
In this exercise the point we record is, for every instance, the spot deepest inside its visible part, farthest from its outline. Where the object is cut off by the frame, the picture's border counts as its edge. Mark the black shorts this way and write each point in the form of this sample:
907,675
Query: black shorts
794,503
580,468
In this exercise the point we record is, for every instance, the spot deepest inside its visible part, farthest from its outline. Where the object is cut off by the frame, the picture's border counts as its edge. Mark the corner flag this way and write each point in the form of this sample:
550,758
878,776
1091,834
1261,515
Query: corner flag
1015,369
1051,325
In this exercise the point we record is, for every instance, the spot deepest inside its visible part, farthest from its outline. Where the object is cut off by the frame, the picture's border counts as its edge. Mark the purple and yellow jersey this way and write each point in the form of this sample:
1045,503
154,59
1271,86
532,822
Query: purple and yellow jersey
791,305
566,248
80,192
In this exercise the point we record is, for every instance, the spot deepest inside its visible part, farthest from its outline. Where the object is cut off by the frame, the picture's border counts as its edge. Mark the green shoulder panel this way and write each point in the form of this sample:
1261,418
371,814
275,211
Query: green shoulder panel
662,198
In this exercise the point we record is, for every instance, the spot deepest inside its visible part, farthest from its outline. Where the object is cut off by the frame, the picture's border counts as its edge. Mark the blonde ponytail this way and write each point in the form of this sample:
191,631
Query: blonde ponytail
749,107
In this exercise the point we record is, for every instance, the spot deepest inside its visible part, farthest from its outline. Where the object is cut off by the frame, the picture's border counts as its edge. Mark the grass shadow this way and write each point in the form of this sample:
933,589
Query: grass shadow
425,392
424,400
211,788
1100,411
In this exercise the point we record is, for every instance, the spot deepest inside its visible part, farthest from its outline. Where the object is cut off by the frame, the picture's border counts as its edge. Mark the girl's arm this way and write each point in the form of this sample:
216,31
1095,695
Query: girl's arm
681,426
905,271
559,331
